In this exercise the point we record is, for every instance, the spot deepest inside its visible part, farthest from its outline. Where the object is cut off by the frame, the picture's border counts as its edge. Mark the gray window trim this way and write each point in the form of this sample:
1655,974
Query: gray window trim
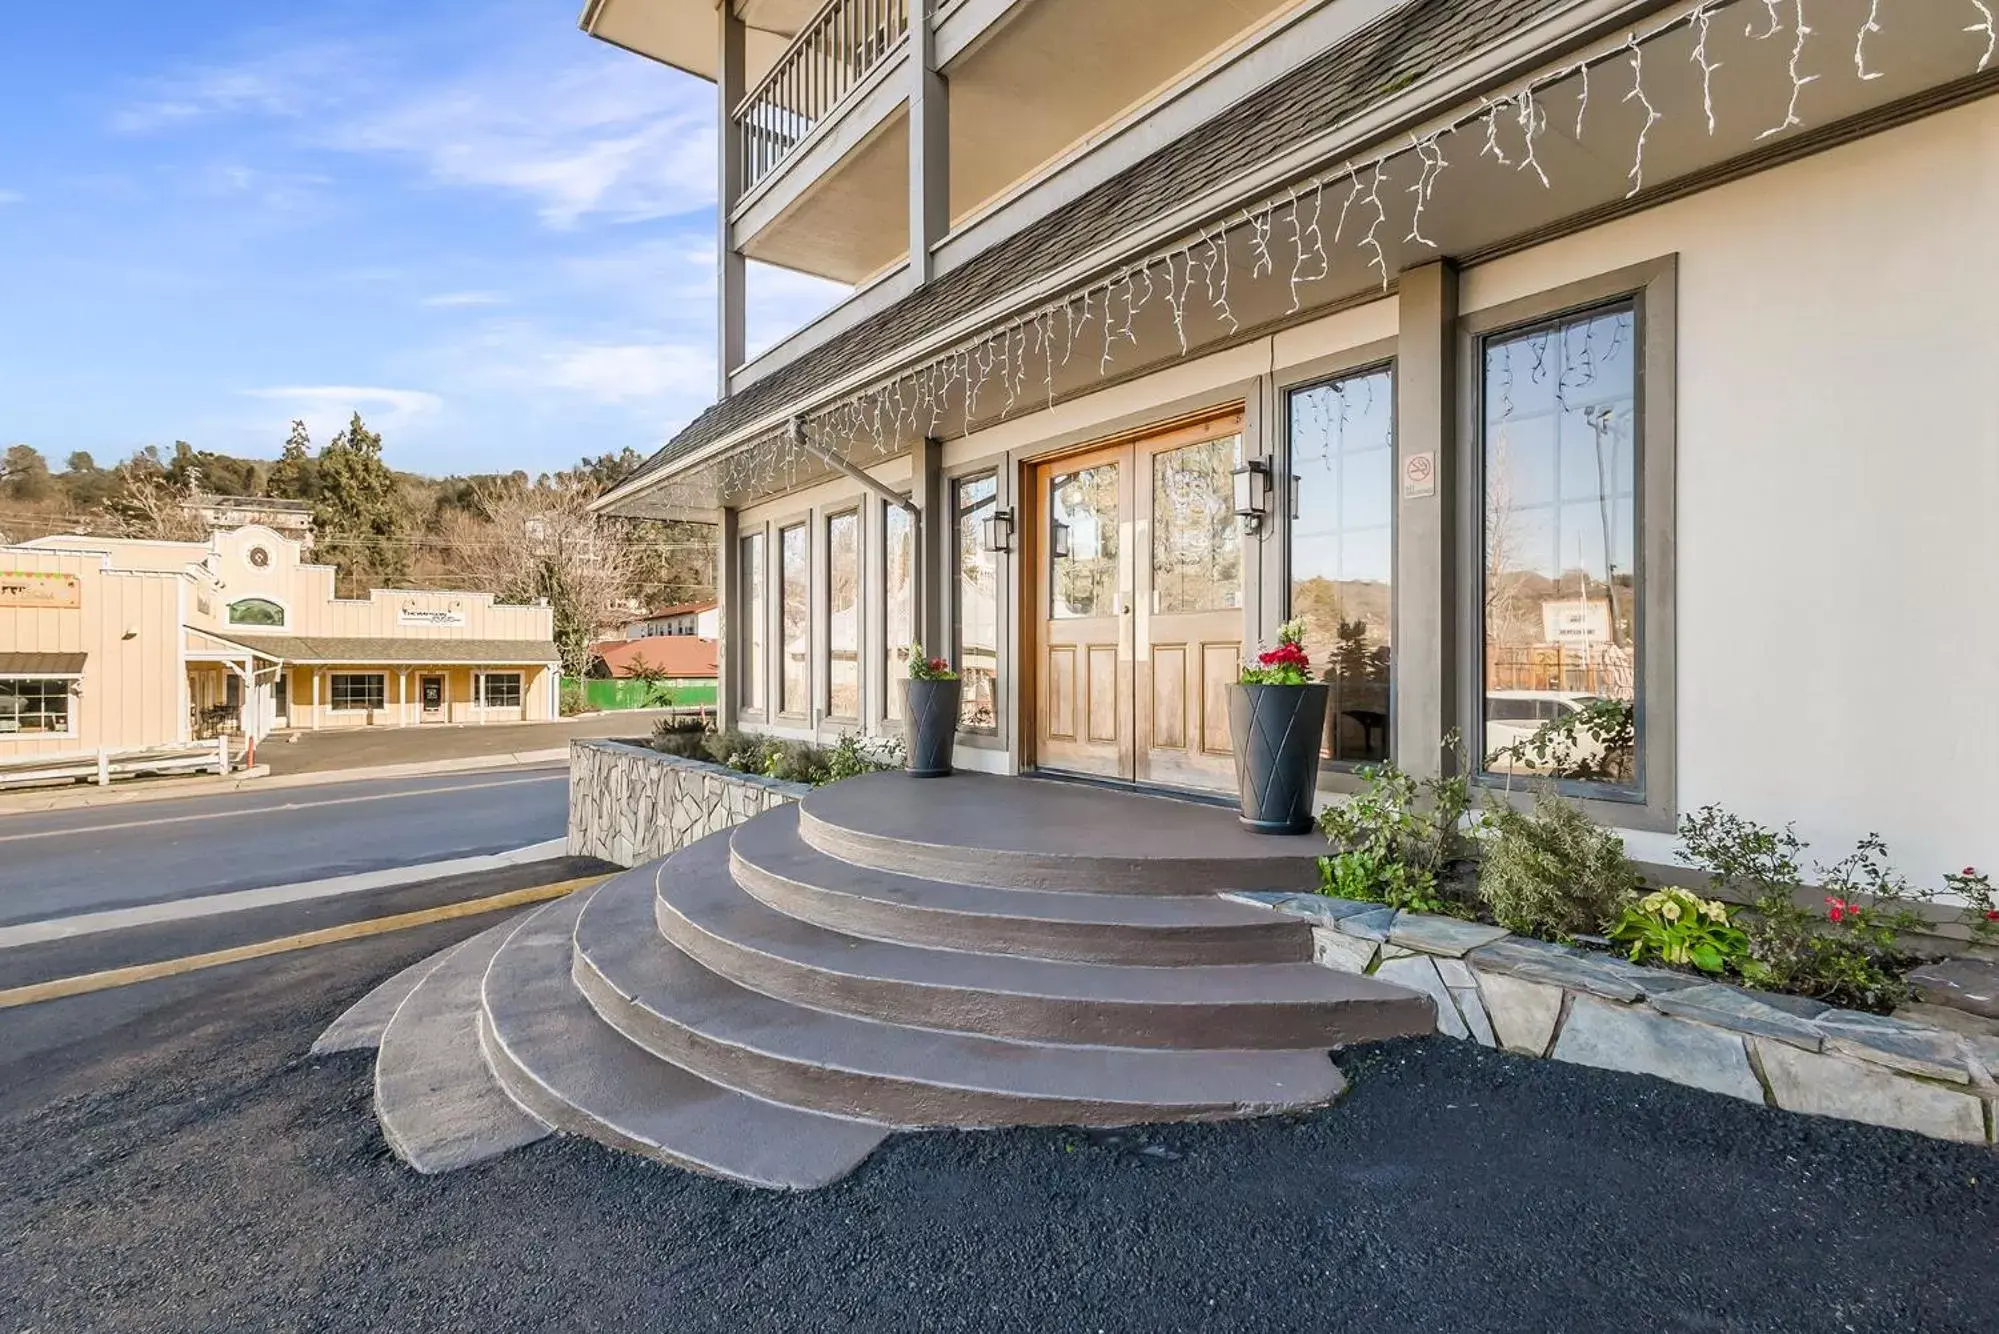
824,640
999,466
775,552
1338,776
1652,287
876,566
740,621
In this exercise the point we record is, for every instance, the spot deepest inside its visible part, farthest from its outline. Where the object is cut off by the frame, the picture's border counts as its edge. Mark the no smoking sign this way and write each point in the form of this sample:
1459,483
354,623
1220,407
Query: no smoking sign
1419,476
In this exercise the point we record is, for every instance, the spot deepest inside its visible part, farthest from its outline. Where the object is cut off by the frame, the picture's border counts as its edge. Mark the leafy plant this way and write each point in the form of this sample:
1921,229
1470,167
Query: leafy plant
1981,901
1397,840
1287,664
1596,743
1677,926
924,668
1551,872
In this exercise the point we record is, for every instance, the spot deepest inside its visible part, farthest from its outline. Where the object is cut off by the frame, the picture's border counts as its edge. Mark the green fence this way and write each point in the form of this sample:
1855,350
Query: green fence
627,694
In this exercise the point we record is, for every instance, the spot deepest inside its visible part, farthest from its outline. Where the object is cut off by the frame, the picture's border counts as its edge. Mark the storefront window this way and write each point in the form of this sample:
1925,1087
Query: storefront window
1560,607
500,690
353,691
751,623
977,647
843,615
899,600
38,705
1342,437
794,601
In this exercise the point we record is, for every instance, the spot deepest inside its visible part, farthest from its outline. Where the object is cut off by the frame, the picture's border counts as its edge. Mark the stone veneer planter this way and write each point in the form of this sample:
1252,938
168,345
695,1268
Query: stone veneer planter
1538,999
630,804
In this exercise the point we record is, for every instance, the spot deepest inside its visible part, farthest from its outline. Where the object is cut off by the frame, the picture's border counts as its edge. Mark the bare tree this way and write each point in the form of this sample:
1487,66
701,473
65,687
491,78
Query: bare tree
547,544
150,504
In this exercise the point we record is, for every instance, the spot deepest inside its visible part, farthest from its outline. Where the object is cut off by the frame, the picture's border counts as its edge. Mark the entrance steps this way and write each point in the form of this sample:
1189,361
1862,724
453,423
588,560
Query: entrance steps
768,1004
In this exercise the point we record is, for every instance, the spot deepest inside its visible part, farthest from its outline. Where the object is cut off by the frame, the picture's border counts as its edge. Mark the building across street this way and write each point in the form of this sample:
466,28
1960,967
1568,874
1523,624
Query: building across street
121,644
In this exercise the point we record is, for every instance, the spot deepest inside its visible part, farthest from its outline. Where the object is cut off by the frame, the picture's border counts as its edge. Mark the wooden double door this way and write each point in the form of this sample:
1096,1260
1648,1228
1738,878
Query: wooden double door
1139,606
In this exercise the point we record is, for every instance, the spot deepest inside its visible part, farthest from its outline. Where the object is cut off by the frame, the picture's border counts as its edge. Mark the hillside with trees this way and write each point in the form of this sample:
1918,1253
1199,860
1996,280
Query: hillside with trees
517,536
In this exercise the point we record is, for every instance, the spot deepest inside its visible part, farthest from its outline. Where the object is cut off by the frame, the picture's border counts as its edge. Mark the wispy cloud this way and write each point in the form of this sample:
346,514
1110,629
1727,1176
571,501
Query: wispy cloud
452,300
10,197
325,408
283,82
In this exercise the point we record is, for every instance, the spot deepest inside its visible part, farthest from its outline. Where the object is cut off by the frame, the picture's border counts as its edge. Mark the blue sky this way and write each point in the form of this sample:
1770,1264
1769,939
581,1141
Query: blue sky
487,232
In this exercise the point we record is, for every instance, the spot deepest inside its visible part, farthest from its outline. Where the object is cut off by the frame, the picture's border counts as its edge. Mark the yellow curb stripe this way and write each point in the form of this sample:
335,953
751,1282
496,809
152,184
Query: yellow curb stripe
84,983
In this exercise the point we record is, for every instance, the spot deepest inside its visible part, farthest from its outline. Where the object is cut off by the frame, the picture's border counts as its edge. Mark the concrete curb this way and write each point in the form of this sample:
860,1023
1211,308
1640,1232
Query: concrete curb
259,779
210,905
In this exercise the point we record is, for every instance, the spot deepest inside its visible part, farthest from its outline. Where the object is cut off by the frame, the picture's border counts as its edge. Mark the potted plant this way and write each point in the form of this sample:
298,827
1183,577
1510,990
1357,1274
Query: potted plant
1277,717
929,714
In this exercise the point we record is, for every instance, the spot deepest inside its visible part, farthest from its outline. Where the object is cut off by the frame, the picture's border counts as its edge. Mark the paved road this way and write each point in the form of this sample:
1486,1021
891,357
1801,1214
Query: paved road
359,748
102,857
178,1162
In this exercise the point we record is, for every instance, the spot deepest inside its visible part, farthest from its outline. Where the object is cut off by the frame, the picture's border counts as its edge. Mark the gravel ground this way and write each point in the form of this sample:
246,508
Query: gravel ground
185,1167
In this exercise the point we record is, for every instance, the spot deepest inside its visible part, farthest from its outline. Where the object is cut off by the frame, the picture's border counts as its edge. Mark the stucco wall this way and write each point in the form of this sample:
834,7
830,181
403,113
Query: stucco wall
630,805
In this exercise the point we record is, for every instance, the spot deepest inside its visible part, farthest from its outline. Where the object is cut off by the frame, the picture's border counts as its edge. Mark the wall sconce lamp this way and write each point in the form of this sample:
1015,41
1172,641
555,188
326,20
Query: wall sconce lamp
1058,540
1252,492
999,531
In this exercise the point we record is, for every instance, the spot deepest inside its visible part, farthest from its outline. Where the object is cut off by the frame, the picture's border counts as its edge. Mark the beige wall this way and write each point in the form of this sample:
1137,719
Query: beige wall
403,688
129,629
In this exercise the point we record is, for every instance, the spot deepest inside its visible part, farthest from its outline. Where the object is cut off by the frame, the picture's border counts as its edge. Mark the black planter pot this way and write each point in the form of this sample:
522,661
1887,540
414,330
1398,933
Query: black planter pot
1277,732
930,726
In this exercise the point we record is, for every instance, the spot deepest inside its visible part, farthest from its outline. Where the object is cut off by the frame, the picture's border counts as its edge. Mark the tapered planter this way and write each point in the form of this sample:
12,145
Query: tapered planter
930,726
1277,732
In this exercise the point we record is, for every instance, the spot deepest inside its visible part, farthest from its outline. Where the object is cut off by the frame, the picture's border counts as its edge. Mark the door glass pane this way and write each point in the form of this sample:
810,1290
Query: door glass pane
794,647
843,615
972,501
752,622
899,600
1342,552
1083,542
1560,605
1196,554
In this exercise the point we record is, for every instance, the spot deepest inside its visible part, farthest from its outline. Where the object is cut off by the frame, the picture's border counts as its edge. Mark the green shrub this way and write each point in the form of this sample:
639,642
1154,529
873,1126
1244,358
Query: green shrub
1677,926
573,700
789,761
685,737
1550,872
1399,841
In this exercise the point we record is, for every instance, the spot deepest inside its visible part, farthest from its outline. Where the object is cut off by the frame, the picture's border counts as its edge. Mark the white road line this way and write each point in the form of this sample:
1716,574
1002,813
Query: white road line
561,777
210,905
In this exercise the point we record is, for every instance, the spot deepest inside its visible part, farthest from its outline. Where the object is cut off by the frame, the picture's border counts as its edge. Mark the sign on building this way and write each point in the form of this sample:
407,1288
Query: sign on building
435,616
1575,623
27,588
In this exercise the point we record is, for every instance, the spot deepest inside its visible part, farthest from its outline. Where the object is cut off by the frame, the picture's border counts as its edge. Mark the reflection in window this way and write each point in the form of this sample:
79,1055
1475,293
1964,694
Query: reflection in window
898,600
752,622
38,704
795,632
1343,555
843,615
256,611
1083,543
1196,555
977,647
1560,598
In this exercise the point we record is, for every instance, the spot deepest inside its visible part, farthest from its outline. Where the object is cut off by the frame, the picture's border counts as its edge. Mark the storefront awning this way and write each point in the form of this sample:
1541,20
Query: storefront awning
42,664
347,651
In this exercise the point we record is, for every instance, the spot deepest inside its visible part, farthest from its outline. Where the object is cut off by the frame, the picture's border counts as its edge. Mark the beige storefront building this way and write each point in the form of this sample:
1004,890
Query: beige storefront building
118,645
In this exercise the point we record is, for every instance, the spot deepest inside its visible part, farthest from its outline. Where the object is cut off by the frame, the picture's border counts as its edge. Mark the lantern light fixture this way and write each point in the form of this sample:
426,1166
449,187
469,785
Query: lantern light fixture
1058,540
999,531
1252,492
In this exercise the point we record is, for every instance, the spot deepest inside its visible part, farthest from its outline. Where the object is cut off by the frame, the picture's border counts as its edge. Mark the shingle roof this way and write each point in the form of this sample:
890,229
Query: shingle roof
676,655
1408,44
418,652
41,664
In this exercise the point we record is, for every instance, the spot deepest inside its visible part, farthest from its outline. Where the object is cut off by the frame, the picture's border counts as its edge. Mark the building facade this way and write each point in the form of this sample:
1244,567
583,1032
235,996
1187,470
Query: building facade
703,620
121,645
1592,377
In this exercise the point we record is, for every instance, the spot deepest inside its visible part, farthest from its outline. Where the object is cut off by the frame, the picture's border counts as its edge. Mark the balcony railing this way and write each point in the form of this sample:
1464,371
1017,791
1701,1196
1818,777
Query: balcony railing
829,57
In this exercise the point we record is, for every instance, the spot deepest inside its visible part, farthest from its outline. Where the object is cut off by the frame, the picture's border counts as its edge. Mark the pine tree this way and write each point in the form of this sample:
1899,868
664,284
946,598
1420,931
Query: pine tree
295,476
357,515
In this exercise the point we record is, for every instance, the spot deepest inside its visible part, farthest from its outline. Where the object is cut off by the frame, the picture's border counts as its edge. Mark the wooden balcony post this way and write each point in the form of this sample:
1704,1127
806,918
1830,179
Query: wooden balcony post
929,143
729,316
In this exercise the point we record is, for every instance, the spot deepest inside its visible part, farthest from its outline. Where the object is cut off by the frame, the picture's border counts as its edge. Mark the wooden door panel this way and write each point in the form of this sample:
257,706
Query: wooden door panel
1104,693
1219,666
1062,693
1169,697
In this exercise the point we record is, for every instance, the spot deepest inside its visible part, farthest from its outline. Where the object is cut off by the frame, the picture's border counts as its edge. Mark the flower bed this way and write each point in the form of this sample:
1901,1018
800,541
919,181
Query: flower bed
1593,1008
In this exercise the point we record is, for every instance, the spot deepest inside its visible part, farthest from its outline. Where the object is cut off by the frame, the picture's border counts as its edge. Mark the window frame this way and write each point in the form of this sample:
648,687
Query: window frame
69,682
824,642
520,689
752,618
1651,288
1343,776
803,523
886,714
996,467
333,691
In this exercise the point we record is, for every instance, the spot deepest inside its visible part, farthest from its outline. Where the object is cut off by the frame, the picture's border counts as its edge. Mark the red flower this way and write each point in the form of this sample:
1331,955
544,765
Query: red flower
1971,870
1837,909
1992,916
1284,655
938,664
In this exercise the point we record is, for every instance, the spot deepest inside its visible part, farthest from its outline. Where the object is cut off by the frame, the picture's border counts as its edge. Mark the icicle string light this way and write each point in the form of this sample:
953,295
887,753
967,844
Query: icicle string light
880,416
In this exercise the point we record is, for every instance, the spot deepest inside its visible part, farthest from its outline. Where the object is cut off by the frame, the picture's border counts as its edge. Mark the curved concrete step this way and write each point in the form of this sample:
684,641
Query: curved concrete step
1025,834
666,1002
361,1025
710,917
438,1104
553,1054
773,863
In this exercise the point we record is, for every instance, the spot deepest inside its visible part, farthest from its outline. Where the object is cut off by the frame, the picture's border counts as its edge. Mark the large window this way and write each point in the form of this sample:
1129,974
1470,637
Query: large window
843,615
37,705
1342,436
1196,553
256,611
1560,605
751,622
795,631
351,692
500,690
898,600
977,597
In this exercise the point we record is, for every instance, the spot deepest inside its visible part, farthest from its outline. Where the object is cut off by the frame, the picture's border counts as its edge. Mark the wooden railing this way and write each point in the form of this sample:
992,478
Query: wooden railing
831,55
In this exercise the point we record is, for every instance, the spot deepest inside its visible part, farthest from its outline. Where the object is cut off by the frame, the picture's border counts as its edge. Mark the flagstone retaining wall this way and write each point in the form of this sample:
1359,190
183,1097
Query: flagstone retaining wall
630,804
1568,1004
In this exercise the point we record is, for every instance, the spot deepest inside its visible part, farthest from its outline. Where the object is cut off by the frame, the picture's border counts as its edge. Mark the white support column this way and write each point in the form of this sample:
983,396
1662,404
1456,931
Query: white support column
730,321
403,699
315,673
929,143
